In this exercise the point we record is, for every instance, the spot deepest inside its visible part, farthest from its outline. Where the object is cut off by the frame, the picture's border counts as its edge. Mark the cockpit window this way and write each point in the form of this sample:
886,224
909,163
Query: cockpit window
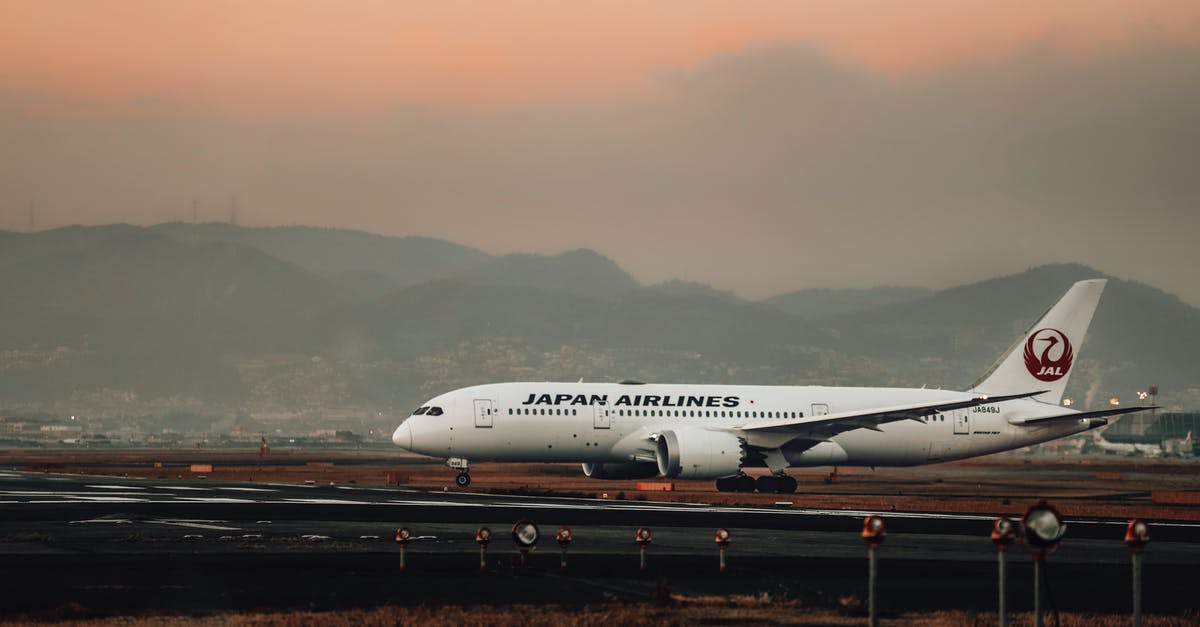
420,411
434,411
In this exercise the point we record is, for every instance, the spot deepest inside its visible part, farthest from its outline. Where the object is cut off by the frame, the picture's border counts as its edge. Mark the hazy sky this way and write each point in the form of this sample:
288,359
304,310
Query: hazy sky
756,146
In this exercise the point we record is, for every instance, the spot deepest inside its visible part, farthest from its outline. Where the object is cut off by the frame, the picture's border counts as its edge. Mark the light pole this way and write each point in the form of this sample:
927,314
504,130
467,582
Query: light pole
1137,534
1042,529
873,533
1004,531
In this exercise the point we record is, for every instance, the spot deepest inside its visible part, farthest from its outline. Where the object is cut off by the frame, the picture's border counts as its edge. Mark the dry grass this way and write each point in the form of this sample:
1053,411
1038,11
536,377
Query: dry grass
696,611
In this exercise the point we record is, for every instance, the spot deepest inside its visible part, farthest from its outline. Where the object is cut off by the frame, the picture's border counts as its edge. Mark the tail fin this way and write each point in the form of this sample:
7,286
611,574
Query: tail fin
1042,359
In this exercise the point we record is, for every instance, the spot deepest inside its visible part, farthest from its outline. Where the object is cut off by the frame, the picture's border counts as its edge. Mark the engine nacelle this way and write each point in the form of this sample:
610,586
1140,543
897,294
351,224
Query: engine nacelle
627,470
695,453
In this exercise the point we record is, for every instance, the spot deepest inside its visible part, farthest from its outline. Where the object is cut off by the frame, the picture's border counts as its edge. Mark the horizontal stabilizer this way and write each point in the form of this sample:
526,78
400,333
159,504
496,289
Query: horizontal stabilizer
1077,415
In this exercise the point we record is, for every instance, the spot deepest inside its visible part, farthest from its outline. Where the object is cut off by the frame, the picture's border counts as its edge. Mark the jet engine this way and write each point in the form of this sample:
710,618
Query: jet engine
695,453
627,470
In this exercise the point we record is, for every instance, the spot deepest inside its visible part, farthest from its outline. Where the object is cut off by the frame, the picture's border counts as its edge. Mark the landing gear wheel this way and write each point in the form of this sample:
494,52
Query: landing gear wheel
745,483
462,480
727,484
767,484
786,485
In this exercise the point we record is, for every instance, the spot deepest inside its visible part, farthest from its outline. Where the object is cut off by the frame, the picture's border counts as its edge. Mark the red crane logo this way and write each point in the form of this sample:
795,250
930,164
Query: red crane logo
1053,362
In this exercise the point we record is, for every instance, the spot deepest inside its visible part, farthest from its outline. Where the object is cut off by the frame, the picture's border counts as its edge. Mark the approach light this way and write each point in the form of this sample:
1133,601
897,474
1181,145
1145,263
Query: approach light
1137,534
723,537
874,530
643,536
525,534
403,535
483,535
1004,531
1042,526
563,537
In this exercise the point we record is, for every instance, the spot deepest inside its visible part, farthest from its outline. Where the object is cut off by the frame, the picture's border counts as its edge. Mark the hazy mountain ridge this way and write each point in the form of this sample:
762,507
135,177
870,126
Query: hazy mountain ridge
582,272
142,310
330,252
824,302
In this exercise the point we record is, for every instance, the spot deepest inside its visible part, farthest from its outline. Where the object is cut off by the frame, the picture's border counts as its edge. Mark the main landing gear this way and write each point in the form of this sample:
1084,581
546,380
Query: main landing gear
781,483
463,479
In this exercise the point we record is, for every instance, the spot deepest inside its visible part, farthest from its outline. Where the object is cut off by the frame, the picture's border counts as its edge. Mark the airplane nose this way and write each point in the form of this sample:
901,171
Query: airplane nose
403,435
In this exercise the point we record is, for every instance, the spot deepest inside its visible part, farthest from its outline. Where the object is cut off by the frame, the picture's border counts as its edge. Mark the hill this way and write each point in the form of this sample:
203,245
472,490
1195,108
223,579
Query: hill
820,303
580,272
1139,335
404,261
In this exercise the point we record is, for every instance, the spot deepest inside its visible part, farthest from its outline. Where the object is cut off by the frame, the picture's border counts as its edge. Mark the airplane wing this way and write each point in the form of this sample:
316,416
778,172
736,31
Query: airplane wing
776,433
1076,415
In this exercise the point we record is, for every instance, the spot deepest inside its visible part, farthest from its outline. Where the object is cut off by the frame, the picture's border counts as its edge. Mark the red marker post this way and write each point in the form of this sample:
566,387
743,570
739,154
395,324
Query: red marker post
643,537
564,540
403,536
483,536
722,540
1004,531
873,533
1137,534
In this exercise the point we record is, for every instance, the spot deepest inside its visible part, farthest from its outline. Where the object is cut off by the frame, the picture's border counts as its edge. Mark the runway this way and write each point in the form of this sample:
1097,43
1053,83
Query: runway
200,545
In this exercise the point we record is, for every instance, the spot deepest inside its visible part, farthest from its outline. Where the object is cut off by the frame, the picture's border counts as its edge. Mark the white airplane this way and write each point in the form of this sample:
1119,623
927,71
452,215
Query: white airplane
635,430
1149,450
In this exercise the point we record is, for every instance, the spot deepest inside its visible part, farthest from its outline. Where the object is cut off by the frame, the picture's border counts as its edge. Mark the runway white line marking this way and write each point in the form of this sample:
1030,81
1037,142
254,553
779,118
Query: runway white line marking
180,487
112,499
115,487
326,501
237,489
194,525
214,499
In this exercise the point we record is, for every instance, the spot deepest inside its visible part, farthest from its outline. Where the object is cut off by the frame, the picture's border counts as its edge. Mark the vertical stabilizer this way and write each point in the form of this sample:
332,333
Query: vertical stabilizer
1043,358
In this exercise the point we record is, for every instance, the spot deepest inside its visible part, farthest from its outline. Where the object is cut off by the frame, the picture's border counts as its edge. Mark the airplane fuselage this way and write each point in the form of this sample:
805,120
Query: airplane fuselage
613,422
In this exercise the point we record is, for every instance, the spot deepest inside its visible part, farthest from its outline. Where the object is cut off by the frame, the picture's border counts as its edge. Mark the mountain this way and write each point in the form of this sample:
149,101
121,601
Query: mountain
120,309
580,272
447,315
820,303
128,308
689,288
1139,335
331,252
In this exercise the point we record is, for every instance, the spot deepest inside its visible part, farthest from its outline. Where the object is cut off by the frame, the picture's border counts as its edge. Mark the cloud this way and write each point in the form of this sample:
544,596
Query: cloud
761,170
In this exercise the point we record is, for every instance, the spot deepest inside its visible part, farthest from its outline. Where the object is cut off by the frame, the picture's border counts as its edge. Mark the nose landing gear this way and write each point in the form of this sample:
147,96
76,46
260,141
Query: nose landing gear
464,471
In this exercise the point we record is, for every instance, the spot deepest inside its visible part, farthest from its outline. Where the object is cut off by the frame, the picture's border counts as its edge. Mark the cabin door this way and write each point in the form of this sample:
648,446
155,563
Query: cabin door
962,423
602,419
484,409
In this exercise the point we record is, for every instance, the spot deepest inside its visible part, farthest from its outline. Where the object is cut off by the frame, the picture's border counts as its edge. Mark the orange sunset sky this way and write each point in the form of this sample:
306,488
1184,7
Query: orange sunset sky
755,146
276,57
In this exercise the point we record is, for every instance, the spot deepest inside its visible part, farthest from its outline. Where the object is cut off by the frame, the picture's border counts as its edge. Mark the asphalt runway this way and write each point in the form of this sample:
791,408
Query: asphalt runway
117,545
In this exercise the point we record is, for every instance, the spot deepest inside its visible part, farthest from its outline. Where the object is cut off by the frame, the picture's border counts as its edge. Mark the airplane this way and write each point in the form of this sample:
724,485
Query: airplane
633,430
1122,448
